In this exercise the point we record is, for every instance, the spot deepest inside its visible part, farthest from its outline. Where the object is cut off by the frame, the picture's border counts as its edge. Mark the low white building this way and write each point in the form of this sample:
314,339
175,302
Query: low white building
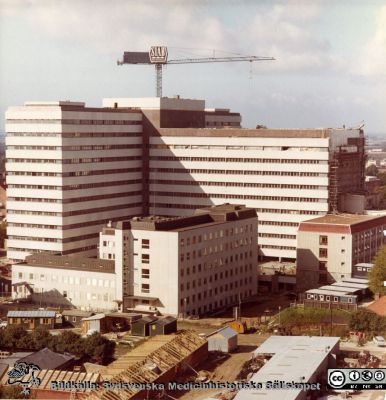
62,281
185,265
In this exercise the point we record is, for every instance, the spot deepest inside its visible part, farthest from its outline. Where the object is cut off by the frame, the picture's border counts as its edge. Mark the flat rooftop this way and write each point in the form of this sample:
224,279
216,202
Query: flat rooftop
294,358
203,217
49,260
340,219
333,291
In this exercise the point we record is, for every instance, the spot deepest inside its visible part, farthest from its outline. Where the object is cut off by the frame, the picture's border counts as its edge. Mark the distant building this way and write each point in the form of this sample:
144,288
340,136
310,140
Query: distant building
63,281
362,270
185,265
73,317
330,246
345,294
32,319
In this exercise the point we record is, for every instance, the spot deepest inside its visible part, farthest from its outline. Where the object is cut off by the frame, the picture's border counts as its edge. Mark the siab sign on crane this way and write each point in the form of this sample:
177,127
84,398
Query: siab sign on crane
158,54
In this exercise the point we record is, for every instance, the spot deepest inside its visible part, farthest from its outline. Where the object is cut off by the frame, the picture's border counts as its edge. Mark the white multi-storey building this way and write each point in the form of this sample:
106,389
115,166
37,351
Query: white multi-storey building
287,175
70,169
185,265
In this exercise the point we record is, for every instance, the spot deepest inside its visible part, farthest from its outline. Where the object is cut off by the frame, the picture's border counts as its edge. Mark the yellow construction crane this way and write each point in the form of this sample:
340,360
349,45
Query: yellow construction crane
158,56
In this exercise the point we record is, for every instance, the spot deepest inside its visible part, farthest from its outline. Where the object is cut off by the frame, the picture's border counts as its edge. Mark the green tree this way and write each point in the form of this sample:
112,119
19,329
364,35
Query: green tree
40,337
377,275
98,348
16,337
372,170
68,342
382,177
365,320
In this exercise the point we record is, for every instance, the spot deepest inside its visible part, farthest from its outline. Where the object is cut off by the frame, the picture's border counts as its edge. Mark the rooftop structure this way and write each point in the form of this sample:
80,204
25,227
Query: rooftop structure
32,314
293,358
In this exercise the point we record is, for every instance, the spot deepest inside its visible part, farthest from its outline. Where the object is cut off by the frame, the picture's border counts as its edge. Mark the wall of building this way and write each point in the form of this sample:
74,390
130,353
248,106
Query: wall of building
86,290
285,179
69,170
319,263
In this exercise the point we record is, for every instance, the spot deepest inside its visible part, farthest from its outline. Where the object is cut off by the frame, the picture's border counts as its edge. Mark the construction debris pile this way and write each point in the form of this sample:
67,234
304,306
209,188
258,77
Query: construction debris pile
364,359
250,367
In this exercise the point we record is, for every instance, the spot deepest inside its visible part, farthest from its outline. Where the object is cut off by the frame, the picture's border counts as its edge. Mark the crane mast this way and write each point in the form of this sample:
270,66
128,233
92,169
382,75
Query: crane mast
158,56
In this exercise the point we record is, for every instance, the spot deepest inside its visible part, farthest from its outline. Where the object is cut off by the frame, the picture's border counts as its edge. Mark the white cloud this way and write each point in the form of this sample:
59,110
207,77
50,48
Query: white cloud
372,60
284,30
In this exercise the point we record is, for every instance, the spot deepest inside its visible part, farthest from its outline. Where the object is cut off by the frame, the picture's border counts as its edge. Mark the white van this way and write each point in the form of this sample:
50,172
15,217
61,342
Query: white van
379,341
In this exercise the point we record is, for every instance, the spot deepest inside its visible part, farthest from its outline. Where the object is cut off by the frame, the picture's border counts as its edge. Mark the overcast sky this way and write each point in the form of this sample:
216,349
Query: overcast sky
330,66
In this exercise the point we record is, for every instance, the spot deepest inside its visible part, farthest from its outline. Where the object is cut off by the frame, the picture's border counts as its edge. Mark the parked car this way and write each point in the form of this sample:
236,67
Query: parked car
3,324
379,341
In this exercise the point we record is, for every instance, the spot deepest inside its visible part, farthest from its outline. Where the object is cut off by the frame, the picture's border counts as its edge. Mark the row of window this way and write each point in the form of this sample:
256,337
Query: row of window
216,290
322,297
258,210
78,212
240,160
74,134
237,184
278,223
74,121
236,147
239,196
71,161
54,240
76,148
76,186
71,280
216,234
294,212
77,173
236,172
214,277
277,235
268,246
216,249
69,226
76,199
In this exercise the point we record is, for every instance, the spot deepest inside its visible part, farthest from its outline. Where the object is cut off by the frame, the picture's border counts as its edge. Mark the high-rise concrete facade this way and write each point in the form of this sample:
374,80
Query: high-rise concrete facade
190,157
70,169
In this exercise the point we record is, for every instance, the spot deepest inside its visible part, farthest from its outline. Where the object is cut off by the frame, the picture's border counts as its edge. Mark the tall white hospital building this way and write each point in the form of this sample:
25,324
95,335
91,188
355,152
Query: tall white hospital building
72,168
